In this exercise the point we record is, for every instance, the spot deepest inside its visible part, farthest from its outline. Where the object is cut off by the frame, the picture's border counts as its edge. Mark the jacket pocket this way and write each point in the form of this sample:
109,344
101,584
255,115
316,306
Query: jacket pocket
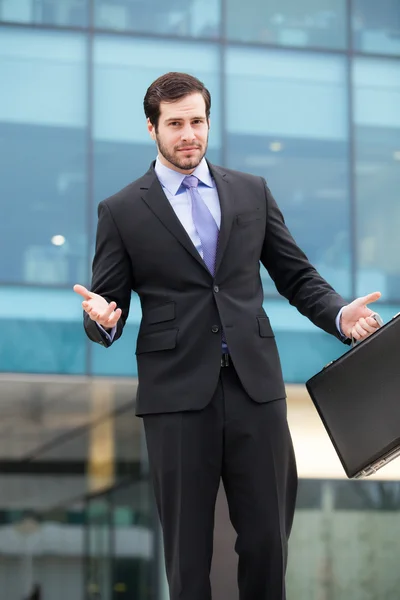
159,314
157,340
248,217
264,327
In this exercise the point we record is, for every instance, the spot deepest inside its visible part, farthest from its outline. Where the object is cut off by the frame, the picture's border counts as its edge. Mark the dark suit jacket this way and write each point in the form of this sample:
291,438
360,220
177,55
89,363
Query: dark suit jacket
142,246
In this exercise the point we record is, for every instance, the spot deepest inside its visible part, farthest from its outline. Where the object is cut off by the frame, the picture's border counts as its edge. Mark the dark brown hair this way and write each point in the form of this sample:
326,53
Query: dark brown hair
171,87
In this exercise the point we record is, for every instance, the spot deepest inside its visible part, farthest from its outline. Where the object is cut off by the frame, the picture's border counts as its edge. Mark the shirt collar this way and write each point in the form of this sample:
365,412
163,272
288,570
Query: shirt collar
172,180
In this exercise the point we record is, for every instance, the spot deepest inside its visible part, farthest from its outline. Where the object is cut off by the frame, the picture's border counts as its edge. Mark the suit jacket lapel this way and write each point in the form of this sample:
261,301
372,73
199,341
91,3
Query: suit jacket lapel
153,195
227,210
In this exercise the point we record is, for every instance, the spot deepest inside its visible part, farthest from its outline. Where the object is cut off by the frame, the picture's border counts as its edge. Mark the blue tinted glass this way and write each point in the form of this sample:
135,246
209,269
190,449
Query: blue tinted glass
318,23
41,331
43,170
52,12
376,26
348,532
377,146
287,121
175,17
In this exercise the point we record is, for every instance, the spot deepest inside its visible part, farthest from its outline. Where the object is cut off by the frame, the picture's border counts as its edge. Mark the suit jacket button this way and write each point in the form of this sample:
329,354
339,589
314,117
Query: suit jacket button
215,328
216,289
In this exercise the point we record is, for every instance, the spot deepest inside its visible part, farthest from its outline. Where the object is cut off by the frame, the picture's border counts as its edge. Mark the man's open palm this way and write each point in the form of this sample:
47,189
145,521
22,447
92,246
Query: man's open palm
356,319
105,314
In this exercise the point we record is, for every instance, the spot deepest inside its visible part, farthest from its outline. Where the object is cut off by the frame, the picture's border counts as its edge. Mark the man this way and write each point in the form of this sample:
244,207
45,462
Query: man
188,237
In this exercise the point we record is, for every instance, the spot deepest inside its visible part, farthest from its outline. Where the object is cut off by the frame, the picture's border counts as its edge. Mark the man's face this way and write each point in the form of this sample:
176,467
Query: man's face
182,133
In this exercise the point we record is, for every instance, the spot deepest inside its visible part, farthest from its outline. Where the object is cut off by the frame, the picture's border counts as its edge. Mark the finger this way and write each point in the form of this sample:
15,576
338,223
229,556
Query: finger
82,291
373,322
355,334
360,330
370,298
109,311
102,317
87,307
98,318
370,328
114,318
92,315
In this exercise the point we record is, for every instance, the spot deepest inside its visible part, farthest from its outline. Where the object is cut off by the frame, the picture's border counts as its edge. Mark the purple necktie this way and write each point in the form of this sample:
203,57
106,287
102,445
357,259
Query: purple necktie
204,222
206,228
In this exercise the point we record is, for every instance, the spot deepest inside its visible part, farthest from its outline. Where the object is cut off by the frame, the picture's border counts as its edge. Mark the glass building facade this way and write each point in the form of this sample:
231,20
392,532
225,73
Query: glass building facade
306,94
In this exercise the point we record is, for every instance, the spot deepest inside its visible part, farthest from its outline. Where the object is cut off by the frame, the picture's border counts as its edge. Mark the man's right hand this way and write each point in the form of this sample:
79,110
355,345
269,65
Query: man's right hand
99,310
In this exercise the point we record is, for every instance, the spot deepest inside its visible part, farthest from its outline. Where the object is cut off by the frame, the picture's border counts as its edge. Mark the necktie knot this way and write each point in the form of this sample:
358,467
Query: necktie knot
190,181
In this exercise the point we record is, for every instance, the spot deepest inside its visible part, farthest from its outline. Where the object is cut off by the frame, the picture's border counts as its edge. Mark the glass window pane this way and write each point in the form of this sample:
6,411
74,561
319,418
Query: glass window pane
196,18
99,548
42,331
287,121
348,546
48,12
377,148
43,172
135,530
318,23
376,26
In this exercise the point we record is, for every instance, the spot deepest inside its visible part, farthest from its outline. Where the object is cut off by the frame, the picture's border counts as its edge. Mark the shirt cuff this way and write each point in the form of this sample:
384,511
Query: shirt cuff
108,334
338,323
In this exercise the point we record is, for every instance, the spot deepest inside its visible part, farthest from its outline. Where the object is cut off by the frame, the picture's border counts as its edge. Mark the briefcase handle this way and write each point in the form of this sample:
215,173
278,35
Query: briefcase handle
378,319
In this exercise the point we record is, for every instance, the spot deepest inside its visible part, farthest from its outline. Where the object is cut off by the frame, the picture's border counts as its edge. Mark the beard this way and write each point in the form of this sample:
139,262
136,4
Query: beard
178,158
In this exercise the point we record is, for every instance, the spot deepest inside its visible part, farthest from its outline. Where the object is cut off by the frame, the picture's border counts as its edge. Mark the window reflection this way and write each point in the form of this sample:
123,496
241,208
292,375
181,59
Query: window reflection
377,145
348,543
194,18
49,12
376,26
320,23
41,550
134,569
43,173
287,121
54,533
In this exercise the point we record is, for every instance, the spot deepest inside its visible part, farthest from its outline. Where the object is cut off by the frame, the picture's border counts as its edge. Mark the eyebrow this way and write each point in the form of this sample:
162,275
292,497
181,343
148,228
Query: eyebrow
182,118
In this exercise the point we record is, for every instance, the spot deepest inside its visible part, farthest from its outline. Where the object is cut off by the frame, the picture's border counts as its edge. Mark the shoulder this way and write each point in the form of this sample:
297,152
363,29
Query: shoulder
131,193
237,176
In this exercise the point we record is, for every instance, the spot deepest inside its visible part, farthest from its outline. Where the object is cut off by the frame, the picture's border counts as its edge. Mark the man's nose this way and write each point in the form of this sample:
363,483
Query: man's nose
188,133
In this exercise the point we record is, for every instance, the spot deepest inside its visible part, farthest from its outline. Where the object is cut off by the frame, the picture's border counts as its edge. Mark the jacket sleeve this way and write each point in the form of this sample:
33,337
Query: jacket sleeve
294,276
111,274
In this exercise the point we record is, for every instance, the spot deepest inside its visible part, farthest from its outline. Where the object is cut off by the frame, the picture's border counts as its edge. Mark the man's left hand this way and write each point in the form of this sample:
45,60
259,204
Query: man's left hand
356,319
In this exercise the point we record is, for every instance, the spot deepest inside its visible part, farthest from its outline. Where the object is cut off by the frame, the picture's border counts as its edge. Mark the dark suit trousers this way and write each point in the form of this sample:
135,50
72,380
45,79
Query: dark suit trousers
249,446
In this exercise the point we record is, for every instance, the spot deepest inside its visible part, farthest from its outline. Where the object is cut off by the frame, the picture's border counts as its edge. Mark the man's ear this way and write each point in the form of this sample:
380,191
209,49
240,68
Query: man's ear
151,129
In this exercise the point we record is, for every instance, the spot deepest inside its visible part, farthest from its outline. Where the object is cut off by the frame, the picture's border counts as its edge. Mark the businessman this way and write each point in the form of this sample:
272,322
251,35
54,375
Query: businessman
189,238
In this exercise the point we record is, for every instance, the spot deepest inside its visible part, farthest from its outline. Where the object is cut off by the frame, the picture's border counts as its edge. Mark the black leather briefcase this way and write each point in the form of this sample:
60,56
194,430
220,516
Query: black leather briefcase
357,397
